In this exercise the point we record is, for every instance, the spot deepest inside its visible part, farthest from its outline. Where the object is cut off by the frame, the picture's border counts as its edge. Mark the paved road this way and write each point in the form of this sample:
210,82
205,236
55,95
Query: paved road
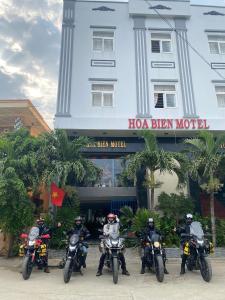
89,287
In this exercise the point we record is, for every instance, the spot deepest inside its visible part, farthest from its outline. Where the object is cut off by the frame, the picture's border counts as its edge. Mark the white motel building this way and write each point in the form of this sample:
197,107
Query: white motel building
126,66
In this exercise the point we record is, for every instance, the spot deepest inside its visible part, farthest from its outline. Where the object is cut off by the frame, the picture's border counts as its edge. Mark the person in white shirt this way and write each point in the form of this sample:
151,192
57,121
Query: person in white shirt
113,226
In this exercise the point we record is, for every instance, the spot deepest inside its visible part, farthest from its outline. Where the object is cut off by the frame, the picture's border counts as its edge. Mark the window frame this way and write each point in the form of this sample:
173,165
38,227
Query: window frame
160,43
102,94
219,93
164,95
103,39
218,44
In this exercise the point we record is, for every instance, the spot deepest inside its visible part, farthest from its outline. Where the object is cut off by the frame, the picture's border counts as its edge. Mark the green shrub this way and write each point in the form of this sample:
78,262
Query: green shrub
141,218
170,238
126,218
220,233
175,206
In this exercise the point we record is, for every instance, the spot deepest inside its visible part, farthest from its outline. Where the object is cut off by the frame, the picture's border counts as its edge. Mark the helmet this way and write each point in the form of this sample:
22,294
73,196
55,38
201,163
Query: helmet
78,222
189,218
40,222
150,222
111,218
78,219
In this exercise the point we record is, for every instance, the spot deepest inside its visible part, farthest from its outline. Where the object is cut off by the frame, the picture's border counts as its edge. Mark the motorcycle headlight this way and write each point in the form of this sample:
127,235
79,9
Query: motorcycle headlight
156,244
31,243
200,242
114,243
72,248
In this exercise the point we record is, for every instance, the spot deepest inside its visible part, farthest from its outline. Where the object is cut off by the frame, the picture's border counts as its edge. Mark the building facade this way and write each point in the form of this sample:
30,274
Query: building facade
15,114
134,65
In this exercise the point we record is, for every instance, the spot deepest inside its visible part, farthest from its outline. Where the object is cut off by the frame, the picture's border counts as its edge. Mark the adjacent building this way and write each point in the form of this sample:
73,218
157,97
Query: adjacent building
15,114
134,65
21,113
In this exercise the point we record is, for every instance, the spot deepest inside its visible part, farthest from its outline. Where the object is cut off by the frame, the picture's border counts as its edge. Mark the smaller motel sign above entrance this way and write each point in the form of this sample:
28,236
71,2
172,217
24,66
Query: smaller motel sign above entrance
192,124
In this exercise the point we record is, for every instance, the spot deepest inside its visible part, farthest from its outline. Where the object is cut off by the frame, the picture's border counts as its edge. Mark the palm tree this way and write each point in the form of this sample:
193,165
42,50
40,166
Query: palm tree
206,154
153,159
65,160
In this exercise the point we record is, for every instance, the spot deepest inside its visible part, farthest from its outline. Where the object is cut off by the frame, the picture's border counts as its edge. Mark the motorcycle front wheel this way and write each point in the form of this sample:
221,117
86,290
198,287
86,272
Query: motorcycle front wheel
67,271
27,267
205,269
115,269
189,264
159,269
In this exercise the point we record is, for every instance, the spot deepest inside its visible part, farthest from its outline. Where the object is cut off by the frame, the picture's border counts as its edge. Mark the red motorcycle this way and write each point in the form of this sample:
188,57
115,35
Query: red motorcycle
34,250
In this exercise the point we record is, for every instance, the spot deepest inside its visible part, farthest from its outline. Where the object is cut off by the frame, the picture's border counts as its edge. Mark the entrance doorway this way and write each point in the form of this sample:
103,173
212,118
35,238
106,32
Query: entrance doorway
95,212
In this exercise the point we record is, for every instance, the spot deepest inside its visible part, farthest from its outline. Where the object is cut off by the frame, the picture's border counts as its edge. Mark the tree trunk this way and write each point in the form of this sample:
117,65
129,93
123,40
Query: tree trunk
137,197
152,207
212,214
152,180
11,239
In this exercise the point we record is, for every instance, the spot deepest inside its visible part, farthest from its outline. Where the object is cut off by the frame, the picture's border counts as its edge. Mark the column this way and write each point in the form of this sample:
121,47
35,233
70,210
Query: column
141,64
186,82
66,59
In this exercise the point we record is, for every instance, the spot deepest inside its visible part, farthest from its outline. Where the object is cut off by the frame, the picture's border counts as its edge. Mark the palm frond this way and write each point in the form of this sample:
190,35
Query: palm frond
220,140
208,138
197,143
150,140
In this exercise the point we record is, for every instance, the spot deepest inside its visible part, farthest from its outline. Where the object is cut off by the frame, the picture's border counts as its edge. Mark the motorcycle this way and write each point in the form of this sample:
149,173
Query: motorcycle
198,248
154,255
114,246
34,250
74,257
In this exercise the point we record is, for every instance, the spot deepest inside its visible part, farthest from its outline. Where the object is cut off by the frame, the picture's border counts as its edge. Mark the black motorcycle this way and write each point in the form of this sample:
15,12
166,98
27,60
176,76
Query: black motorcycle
154,255
74,257
114,246
198,248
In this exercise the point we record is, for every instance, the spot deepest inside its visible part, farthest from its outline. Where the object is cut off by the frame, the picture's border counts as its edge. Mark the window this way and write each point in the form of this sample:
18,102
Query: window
102,95
165,96
220,94
161,42
112,171
103,41
216,44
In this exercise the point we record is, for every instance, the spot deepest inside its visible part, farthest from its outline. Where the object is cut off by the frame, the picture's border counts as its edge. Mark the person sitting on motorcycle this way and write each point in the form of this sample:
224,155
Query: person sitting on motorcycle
186,230
112,226
44,229
84,233
148,232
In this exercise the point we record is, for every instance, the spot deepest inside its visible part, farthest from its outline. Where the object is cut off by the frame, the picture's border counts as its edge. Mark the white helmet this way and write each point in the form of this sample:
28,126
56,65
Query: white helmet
189,216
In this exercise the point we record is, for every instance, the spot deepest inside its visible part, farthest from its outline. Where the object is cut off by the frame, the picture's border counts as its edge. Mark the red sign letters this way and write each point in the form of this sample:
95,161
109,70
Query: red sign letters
191,124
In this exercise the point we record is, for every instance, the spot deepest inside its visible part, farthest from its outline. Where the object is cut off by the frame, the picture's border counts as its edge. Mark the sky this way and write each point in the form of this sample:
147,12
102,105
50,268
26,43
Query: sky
30,32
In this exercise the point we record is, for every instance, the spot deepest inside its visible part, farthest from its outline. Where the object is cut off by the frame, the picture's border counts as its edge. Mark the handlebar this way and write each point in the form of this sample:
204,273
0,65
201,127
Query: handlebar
185,235
45,236
192,235
24,236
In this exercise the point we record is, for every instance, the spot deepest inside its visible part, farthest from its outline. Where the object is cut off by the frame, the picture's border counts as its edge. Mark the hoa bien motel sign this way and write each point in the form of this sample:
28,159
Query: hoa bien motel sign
191,124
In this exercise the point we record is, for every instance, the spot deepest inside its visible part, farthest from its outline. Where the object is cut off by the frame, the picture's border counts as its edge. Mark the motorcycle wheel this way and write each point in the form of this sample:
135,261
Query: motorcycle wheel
159,269
27,267
115,269
67,272
61,264
205,269
189,265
